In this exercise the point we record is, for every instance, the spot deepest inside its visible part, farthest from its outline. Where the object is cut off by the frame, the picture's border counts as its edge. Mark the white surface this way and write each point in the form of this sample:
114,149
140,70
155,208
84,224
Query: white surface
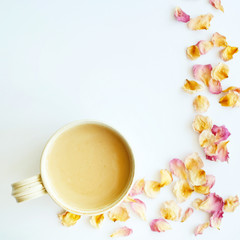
120,62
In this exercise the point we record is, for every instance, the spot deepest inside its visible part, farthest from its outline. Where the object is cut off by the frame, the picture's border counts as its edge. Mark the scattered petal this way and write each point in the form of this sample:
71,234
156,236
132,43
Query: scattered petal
129,199
170,210
68,219
200,228
193,52
166,177
201,104
210,181
217,4
177,168
180,15
196,203
219,40
197,177
139,207
231,203
122,232
119,213
201,123
202,73
137,188
221,133
231,99
219,152
206,138
202,189
97,220
192,86
152,188
187,214
215,86
220,72
159,225
227,53
215,219
182,190
200,22
193,161
212,203
234,89
204,46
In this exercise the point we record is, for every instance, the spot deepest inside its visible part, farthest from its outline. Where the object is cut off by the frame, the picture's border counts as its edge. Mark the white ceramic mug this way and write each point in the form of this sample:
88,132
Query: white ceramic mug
38,185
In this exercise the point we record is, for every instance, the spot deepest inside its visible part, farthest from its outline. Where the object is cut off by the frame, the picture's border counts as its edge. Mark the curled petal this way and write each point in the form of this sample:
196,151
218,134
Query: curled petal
202,189
212,203
220,72
182,190
122,232
177,168
170,210
221,133
197,177
192,86
201,123
137,188
231,203
200,22
196,203
201,104
202,73
215,219
217,4
231,99
119,213
206,138
215,86
193,161
68,219
234,89
180,15
159,225
187,214
204,46
139,207
200,228
219,40
97,220
152,188
227,53
166,177
193,52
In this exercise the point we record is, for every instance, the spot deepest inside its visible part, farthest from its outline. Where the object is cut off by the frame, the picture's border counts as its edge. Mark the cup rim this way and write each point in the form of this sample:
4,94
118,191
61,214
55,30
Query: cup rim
44,174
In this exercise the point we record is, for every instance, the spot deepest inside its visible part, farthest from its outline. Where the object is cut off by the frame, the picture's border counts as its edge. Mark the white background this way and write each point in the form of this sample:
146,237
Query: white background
120,62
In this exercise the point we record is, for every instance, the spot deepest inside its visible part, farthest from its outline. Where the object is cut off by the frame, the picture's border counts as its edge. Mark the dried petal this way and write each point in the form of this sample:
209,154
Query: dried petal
159,225
220,72
227,53
197,177
182,190
200,228
215,86
192,86
68,219
234,89
221,133
137,188
187,214
210,181
122,232
152,188
200,22
219,152
166,177
177,168
119,213
202,189
196,203
201,104
170,210
204,46
217,4
193,52
202,73
219,40
215,219
201,123
231,203
193,161
97,220
180,15
206,138
231,99
212,203
139,207
128,199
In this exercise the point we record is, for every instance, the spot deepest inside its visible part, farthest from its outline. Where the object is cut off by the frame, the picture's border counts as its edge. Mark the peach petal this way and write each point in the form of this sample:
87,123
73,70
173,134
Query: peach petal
68,219
187,214
219,40
217,4
231,99
196,203
180,15
231,203
193,52
137,188
192,86
170,210
210,181
204,46
200,228
193,161
201,104
202,73
206,138
200,22
139,208
159,225
97,220
212,203
118,213
227,53
177,168
197,177
201,123
215,86
166,177
221,153
182,190
220,72
221,133
152,188
234,89
202,189
122,232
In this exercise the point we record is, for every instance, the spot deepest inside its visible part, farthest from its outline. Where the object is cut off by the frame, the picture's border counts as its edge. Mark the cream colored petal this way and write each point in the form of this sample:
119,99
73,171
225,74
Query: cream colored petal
193,161
118,213
159,225
206,138
68,219
192,86
200,22
231,203
220,72
122,232
182,190
201,104
196,203
187,214
202,73
139,208
219,40
170,210
152,188
137,188
201,123
166,177
97,220
177,168
197,177
204,46
200,228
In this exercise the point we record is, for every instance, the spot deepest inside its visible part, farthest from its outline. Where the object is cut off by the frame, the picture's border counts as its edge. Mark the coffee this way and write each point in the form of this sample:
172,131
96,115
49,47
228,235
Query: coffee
88,167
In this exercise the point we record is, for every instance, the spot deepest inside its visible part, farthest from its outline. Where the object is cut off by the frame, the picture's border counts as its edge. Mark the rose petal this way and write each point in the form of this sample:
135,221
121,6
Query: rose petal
200,228
215,219
202,189
202,73
234,89
182,190
129,199
204,46
231,99
159,225
193,161
231,203
170,210
137,188
221,133
215,86
206,138
227,53
201,123
187,214
217,4
201,104
219,40
217,152
200,22
97,220
68,219
166,177
220,72
122,232
196,203
212,203
180,15
197,177
192,86
118,213
139,207
152,188
210,181
177,168
193,52
211,152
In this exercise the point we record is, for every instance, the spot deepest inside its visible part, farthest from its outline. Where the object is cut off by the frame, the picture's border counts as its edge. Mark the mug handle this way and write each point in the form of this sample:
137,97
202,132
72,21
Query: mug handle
28,189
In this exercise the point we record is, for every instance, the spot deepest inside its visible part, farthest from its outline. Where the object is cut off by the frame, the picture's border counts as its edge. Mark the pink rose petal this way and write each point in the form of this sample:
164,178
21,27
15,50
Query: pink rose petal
210,181
159,225
212,203
177,167
215,219
217,4
215,86
202,73
139,207
204,46
137,188
200,228
181,16
187,214
220,154
221,133
122,232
